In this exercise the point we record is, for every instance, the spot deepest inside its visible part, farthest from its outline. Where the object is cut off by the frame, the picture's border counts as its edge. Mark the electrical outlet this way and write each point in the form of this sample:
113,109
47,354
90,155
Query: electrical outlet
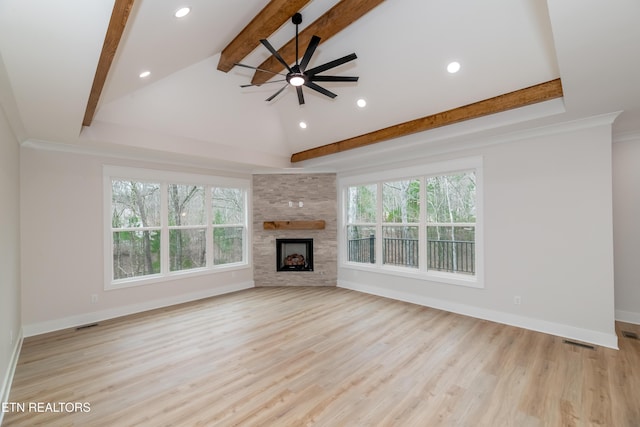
517,300
94,298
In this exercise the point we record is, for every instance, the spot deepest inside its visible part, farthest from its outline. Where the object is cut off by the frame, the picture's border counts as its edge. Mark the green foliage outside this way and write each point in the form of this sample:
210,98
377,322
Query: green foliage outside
451,198
228,215
450,219
136,220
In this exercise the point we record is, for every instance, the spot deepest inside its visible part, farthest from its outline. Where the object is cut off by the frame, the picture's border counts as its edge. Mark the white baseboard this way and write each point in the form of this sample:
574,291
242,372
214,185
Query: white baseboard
628,317
538,325
97,316
5,390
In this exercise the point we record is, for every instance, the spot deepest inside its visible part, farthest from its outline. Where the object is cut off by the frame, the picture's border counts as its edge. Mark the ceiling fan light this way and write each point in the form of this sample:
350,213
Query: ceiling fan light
296,80
182,12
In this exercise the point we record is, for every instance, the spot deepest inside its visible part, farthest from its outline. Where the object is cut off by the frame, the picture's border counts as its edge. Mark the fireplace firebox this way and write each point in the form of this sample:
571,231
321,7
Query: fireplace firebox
294,254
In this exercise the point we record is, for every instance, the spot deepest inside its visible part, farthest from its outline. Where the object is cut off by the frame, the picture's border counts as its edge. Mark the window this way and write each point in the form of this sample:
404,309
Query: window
361,228
228,225
187,227
400,223
423,224
451,222
161,224
135,223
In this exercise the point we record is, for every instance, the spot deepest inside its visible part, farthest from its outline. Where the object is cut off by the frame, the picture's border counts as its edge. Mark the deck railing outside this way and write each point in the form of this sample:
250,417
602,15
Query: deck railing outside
454,256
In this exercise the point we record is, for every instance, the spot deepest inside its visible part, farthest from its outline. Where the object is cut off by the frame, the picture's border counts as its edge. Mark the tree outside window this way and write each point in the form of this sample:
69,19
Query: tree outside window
135,222
425,223
451,222
361,223
187,227
228,225
401,217
156,228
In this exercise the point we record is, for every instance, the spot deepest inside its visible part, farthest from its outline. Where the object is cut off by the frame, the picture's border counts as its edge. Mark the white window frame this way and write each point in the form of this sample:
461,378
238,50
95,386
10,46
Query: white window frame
422,172
165,178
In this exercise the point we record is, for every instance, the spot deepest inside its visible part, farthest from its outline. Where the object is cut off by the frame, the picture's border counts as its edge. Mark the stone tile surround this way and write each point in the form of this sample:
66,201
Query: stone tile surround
271,196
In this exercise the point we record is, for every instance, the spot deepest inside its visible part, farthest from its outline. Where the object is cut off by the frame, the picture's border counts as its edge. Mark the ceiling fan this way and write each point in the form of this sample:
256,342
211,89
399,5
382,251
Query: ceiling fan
298,75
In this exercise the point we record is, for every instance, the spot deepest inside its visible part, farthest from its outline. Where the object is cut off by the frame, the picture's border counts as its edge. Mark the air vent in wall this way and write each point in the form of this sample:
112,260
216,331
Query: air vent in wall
579,344
91,325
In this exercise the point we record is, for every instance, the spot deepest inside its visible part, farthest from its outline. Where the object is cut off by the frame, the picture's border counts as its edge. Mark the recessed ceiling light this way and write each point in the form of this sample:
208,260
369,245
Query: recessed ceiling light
302,125
145,74
182,12
453,67
361,102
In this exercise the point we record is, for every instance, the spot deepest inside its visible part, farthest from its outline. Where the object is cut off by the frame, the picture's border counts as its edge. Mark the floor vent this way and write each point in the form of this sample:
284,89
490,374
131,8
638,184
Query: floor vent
91,325
579,344
629,334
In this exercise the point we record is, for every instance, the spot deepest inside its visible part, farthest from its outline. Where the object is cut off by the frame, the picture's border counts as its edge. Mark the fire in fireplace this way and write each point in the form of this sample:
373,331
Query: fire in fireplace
294,254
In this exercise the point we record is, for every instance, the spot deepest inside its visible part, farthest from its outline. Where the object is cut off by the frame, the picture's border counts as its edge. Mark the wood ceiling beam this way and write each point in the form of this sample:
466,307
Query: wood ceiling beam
117,23
333,21
519,98
265,23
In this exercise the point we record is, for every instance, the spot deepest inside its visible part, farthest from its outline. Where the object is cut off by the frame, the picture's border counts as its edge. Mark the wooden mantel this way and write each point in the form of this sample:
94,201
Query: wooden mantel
294,225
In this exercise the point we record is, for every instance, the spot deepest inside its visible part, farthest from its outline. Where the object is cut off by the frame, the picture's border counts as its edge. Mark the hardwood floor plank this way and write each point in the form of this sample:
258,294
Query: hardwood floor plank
324,357
624,369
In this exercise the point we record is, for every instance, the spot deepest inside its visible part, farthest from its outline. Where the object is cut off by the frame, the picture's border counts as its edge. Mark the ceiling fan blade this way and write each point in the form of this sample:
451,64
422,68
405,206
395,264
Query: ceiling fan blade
333,78
313,44
272,81
320,89
300,95
331,64
259,69
277,93
275,53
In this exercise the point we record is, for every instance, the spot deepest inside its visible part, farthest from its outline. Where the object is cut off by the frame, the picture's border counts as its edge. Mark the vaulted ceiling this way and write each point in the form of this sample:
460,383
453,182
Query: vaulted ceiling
579,55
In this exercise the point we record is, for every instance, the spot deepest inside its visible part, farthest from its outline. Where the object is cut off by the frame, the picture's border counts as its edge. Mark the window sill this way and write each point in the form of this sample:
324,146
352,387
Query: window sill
417,274
175,275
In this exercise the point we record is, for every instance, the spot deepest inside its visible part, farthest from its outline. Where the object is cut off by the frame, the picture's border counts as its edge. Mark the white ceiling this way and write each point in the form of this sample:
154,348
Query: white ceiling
189,111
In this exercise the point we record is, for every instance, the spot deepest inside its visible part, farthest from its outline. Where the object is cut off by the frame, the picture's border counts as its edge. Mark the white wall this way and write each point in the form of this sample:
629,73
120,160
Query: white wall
62,247
626,215
10,325
548,238
560,264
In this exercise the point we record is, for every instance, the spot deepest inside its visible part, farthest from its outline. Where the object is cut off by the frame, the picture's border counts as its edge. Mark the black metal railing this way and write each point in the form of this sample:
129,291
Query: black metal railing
363,250
454,256
399,251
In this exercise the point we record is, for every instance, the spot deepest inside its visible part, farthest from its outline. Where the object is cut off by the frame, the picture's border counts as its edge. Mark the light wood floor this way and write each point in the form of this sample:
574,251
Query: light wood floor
323,357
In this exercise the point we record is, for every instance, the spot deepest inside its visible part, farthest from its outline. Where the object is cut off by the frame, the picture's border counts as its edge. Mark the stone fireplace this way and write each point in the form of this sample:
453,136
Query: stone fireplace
294,254
291,212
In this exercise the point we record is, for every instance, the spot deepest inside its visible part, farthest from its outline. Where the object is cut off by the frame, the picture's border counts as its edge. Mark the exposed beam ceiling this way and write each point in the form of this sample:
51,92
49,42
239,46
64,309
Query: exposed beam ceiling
520,98
332,22
265,23
270,18
189,112
117,23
